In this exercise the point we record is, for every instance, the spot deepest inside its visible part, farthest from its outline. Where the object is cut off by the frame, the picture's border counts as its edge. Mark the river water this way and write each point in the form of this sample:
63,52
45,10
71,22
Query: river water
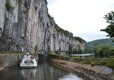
44,71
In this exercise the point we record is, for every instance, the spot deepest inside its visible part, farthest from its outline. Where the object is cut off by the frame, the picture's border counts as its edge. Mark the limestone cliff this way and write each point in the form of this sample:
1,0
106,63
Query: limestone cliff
26,23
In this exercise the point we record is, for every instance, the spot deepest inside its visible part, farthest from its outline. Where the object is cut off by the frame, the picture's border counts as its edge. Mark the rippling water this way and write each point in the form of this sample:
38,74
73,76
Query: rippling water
45,71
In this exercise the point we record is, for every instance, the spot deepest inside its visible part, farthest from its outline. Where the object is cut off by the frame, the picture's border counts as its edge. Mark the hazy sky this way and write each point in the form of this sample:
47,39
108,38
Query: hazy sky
84,18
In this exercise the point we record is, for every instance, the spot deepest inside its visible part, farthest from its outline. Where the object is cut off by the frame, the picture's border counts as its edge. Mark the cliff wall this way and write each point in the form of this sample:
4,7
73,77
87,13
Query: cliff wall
26,23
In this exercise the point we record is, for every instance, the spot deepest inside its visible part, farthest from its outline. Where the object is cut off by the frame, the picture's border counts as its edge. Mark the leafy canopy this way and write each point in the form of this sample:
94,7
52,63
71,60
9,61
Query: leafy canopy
110,28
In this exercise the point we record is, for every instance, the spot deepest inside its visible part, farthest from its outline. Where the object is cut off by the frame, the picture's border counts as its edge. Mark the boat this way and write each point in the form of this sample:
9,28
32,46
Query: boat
28,61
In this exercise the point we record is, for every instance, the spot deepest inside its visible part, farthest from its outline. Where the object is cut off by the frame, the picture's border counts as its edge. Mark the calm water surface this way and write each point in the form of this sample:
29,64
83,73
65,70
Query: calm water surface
45,71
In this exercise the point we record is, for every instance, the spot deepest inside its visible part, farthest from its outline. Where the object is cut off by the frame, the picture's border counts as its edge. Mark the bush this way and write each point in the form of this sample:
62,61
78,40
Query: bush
25,11
49,51
110,63
101,62
88,61
36,7
92,63
35,48
77,57
57,52
8,6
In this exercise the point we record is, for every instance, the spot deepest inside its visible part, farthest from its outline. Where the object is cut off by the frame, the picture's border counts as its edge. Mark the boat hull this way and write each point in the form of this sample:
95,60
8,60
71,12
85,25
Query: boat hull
27,62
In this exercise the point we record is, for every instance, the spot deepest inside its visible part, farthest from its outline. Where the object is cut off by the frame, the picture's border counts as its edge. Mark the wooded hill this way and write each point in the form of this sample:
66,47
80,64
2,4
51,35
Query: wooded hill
101,41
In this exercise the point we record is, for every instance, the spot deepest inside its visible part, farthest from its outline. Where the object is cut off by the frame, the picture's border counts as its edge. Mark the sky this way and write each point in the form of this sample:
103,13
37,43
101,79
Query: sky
84,18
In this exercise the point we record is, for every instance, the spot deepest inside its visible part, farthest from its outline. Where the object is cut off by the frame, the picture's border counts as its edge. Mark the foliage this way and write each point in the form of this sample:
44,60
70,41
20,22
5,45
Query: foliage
75,51
88,61
102,50
36,7
110,28
49,51
70,49
36,48
46,2
112,51
92,63
88,49
100,61
62,31
79,39
20,1
100,41
8,6
57,52
25,11
77,57
68,34
110,63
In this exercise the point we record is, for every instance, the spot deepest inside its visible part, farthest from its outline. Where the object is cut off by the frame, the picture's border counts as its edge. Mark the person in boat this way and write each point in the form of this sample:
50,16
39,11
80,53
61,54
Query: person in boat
27,53
31,57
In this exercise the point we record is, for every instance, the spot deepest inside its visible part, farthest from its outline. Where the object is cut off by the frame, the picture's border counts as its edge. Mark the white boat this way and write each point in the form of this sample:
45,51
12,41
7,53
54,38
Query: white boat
28,61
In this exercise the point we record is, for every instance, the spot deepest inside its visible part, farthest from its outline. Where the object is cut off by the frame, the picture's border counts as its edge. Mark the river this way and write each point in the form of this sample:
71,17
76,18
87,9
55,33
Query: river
44,71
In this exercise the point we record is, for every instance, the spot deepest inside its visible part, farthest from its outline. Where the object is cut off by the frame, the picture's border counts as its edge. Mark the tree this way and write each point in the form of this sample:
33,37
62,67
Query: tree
70,49
35,48
49,51
102,50
95,49
75,51
88,49
112,51
110,28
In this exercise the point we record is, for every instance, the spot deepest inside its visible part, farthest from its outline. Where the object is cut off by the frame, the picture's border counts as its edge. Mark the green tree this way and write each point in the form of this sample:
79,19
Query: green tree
102,50
88,49
36,48
49,51
110,28
70,49
95,50
75,51
112,51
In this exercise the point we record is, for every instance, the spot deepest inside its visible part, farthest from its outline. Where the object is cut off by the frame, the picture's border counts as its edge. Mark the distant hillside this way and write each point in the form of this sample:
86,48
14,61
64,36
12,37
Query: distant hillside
101,41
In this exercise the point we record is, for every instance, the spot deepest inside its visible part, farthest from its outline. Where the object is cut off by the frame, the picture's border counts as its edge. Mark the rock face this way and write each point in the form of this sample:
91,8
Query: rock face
26,23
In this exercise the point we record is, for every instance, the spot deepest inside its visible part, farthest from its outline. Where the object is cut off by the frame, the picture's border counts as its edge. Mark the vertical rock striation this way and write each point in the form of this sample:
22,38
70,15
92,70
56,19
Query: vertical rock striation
26,23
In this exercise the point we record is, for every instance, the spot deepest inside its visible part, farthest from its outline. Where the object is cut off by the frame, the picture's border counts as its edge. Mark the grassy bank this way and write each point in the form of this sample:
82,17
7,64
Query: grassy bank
109,62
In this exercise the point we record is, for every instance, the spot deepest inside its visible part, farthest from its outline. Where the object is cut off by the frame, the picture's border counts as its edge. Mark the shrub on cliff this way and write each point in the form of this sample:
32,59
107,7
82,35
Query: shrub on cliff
36,48
9,6
49,51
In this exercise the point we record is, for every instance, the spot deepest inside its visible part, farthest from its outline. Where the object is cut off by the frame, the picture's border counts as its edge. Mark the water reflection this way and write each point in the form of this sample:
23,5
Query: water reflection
28,74
45,71
70,76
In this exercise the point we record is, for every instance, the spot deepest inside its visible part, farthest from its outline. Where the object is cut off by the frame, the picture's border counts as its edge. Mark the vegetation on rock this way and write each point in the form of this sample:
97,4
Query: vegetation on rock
25,11
49,51
9,6
36,48
68,34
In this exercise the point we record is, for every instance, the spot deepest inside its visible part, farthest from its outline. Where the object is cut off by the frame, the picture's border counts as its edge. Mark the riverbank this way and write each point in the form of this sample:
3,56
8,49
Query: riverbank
94,73
7,60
